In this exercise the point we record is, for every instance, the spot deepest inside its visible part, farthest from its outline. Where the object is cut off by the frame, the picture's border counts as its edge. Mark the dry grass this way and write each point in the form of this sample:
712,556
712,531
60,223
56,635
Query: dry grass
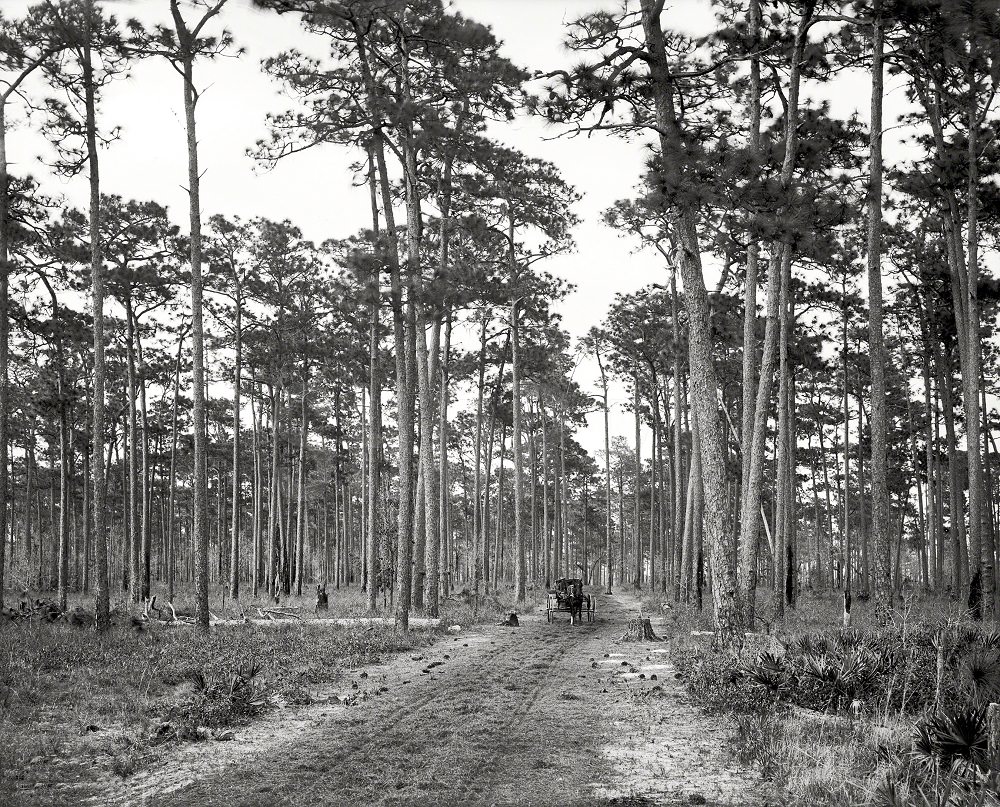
74,703
72,694
344,603
816,759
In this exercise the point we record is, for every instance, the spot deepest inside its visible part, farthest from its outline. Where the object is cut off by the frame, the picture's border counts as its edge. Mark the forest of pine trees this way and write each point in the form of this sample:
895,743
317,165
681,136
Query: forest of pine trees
194,403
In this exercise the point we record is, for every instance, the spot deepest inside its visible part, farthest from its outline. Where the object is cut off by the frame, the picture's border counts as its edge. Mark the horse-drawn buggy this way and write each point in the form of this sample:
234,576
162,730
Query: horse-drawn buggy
568,597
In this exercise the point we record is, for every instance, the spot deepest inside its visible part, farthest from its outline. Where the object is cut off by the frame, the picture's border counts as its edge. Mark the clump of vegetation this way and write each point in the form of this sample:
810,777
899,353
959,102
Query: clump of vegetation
896,716
218,702
717,683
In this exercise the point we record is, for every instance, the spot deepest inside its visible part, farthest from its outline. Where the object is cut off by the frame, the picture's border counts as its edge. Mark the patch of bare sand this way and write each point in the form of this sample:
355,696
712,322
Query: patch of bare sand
663,749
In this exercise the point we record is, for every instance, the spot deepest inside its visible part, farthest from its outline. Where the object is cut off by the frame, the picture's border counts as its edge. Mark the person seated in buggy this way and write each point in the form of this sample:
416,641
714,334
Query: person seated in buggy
569,596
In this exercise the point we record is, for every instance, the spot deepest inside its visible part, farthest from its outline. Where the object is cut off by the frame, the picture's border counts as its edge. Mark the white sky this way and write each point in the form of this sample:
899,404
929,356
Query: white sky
314,189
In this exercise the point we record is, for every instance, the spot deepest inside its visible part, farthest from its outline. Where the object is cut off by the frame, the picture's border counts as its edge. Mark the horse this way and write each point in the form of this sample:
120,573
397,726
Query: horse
573,599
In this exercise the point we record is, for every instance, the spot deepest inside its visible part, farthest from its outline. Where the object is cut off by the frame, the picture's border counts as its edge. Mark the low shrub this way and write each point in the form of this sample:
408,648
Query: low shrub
893,716
717,682
880,672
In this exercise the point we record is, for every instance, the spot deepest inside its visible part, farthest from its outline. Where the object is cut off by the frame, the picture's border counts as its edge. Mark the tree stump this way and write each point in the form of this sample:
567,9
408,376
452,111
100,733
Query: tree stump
640,629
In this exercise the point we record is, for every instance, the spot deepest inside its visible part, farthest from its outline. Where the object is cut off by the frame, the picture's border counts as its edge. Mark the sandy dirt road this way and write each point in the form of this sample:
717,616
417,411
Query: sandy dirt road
542,714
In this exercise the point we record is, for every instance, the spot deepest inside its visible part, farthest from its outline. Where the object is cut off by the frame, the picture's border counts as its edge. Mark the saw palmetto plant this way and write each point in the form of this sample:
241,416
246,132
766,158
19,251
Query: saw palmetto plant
770,672
979,672
954,739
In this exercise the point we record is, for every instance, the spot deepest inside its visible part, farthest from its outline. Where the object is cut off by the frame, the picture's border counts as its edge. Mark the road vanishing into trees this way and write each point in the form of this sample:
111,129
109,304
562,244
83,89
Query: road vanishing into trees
538,714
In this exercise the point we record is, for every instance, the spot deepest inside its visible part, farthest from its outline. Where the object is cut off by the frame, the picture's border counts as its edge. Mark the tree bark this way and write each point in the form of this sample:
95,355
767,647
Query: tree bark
274,509
444,563
653,498
132,492
846,503
102,593
426,559
520,583
300,506
725,590
607,466
781,255
784,478
234,532
749,540
477,511
65,459
200,476
401,338
876,340
173,472
956,526
375,574
981,545
636,512
546,536
678,454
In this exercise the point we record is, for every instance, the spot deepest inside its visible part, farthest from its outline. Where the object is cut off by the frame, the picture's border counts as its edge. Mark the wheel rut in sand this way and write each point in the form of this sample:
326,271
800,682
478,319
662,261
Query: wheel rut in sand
507,716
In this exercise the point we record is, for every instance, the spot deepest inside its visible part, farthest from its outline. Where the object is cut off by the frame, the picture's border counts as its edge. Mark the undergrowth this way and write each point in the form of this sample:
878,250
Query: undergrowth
70,694
888,716
67,693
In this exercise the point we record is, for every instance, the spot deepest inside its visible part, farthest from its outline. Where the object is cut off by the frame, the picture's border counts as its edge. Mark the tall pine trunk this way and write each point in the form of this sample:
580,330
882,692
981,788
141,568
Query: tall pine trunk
102,593
477,504
444,564
374,482
754,453
636,511
234,530
132,493
520,584
749,537
704,383
876,340
300,507
846,499
607,466
200,475
981,544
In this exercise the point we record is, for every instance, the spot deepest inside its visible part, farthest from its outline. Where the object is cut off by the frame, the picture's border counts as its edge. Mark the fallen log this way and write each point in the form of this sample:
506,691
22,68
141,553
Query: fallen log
179,618
344,622
278,613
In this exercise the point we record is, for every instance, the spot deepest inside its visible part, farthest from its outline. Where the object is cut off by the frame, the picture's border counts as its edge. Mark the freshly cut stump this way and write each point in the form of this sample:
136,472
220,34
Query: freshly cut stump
639,629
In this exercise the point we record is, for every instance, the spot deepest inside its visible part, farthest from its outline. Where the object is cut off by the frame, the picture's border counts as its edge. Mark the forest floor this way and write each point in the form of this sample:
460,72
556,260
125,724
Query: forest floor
537,714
